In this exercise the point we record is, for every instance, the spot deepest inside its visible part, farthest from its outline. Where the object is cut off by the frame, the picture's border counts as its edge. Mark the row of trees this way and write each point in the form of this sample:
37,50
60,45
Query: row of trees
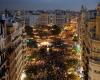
54,30
53,64
50,65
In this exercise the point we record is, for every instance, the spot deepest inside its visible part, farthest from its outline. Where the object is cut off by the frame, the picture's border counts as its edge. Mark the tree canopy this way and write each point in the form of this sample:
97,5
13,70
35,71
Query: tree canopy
55,30
29,30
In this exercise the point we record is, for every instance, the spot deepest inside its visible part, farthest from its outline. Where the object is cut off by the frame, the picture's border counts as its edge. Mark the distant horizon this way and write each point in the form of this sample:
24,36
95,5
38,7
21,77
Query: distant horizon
42,9
48,4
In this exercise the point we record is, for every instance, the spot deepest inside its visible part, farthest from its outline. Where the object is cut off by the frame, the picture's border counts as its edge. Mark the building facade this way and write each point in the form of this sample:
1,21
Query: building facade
11,46
94,60
3,56
89,33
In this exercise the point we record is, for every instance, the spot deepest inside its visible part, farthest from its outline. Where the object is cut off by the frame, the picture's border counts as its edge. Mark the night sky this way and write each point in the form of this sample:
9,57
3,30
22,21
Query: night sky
47,4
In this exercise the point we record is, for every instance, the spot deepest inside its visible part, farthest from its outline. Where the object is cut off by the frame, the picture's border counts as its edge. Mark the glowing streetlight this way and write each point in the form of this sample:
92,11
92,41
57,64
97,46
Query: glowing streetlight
45,43
23,75
47,49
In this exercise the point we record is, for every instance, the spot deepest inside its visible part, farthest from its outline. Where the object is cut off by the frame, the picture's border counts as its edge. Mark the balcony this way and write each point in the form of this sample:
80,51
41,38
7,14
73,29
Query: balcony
94,37
2,62
10,50
95,43
94,60
7,40
16,34
2,72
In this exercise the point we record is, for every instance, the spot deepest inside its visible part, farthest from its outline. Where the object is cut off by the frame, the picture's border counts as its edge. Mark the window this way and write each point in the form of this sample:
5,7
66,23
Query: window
0,60
90,68
97,72
0,28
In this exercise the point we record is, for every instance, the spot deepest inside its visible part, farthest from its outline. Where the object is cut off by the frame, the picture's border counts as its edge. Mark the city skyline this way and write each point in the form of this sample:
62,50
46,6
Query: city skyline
47,4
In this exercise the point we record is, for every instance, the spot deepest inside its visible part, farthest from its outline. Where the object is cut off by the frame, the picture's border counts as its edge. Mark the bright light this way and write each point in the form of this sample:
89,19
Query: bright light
45,30
23,76
48,49
78,46
33,59
71,70
45,43
51,24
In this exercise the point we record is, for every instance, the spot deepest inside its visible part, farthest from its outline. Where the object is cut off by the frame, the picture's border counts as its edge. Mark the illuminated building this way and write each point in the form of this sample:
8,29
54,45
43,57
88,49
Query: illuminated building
54,18
89,33
11,46
3,56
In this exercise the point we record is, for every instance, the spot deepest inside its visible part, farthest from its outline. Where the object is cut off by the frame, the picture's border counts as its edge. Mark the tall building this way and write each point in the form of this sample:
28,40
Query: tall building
31,19
43,19
94,60
15,56
60,17
3,55
11,46
49,17
90,41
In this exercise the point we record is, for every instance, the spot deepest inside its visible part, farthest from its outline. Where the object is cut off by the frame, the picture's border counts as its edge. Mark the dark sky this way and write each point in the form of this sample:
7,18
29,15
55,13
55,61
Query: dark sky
48,4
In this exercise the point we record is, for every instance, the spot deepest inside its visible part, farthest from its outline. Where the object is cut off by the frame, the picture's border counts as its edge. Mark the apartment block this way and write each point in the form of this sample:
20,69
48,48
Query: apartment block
90,40
11,46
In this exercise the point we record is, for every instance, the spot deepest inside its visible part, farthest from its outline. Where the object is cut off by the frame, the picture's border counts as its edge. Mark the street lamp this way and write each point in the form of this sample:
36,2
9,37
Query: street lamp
23,75
45,43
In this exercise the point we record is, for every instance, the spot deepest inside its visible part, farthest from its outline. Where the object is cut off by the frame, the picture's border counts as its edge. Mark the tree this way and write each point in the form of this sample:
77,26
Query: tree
73,76
55,30
29,31
59,43
32,43
75,38
30,70
72,62
52,62
28,78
